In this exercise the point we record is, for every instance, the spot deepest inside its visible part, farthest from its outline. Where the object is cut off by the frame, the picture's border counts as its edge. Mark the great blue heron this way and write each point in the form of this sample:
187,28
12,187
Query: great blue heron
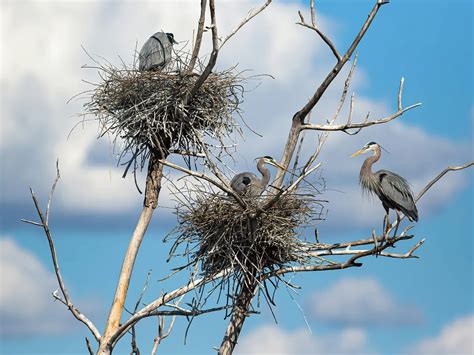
392,189
249,184
156,52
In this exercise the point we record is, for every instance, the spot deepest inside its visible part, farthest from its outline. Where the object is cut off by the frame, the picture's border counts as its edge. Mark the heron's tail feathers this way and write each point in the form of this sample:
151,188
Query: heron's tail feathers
412,214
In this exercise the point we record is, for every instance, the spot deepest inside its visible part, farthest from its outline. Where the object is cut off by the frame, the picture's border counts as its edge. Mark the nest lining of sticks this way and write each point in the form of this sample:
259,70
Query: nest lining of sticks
145,111
216,234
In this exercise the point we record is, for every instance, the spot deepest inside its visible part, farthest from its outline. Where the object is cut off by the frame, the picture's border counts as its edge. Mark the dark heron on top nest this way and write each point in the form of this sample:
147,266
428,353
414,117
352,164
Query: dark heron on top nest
156,52
392,189
249,184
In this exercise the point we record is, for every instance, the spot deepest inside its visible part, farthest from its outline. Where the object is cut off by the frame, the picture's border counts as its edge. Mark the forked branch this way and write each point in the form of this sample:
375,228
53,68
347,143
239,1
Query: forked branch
300,116
250,15
65,299
315,28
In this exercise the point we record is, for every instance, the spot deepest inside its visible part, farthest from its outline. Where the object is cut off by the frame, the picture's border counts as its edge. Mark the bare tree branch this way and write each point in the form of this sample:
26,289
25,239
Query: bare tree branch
347,126
162,335
337,68
197,44
318,31
213,58
89,348
44,224
203,176
250,15
440,175
299,117
135,349
400,90
151,308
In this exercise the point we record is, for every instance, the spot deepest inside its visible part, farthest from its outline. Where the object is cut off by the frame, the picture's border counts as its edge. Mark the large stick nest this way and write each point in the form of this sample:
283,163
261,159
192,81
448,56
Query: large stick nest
216,233
149,111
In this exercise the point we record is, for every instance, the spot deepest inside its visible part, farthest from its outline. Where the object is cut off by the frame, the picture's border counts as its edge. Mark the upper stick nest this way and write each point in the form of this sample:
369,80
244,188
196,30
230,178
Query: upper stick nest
147,110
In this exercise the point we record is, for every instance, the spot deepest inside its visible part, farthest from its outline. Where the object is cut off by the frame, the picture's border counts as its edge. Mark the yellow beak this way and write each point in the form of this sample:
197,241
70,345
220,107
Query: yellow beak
274,163
359,152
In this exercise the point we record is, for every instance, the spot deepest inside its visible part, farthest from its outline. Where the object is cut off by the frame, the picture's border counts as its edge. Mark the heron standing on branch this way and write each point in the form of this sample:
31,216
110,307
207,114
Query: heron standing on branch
249,184
392,189
156,52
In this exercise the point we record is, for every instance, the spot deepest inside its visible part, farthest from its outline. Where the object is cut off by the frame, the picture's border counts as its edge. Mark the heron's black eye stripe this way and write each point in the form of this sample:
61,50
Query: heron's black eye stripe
246,180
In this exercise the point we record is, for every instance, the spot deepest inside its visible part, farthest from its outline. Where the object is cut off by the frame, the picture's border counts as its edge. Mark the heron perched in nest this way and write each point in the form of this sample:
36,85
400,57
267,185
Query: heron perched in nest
392,189
156,52
249,184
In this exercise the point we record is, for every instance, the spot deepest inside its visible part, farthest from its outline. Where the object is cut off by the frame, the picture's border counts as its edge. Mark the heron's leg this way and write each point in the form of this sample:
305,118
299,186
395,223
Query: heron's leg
399,218
387,226
386,221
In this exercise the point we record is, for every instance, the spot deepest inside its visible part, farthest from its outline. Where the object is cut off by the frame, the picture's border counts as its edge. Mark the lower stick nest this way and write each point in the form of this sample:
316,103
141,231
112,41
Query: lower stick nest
219,234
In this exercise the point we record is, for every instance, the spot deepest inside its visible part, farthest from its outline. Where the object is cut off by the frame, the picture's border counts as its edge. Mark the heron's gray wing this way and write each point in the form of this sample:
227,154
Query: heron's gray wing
397,193
156,52
240,182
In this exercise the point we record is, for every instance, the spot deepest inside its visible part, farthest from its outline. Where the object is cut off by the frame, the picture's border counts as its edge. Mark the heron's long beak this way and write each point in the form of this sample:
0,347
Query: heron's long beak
274,163
359,152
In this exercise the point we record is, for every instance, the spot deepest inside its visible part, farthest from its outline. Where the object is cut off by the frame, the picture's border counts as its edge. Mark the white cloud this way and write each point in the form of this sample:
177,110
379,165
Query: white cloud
361,301
456,338
38,78
26,305
271,339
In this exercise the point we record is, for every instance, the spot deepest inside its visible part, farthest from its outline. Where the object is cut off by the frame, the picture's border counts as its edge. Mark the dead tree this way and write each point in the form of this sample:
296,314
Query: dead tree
239,246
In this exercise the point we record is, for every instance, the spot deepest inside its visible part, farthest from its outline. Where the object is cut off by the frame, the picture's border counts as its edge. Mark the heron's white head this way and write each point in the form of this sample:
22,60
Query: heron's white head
371,146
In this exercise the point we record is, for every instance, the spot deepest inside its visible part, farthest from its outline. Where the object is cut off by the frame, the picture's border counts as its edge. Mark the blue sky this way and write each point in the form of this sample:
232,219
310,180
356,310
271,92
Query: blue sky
391,306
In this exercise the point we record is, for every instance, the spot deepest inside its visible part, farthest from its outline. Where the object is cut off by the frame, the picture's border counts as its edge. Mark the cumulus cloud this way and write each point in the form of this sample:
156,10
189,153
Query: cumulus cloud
271,339
361,302
36,118
456,338
26,305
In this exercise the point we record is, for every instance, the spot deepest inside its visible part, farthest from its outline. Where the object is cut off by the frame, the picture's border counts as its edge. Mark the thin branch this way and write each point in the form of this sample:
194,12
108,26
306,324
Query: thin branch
44,224
213,58
89,348
250,15
135,349
346,126
161,335
48,206
313,15
400,90
337,68
187,153
408,254
197,44
319,32
32,222
286,191
440,175
203,176
151,308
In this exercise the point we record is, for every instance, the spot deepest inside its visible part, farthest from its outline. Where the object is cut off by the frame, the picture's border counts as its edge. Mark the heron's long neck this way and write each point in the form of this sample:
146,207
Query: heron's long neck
265,172
366,170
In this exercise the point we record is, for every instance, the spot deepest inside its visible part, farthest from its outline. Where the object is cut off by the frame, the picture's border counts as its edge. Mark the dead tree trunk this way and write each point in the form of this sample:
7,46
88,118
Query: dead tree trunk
152,191
239,314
